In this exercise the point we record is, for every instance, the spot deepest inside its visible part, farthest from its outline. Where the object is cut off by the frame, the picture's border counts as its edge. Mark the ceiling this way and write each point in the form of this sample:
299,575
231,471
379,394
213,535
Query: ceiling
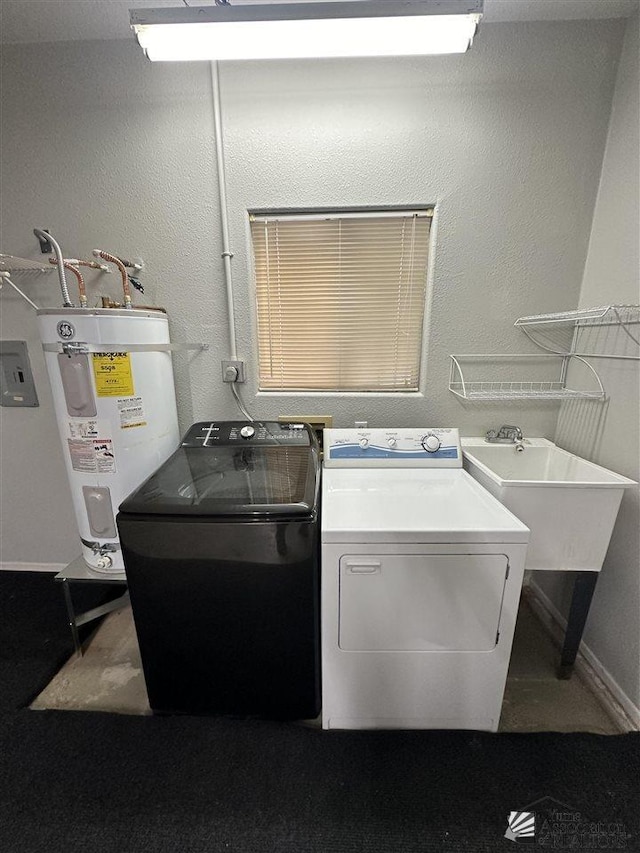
67,20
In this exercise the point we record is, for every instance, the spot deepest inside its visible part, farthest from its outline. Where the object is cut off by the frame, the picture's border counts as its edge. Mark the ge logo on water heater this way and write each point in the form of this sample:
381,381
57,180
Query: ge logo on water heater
65,330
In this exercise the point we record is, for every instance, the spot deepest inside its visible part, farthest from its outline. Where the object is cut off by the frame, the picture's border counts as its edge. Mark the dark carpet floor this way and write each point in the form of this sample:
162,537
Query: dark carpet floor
101,783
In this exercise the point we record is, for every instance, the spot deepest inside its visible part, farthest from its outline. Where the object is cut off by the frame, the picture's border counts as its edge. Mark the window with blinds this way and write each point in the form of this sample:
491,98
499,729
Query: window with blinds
341,300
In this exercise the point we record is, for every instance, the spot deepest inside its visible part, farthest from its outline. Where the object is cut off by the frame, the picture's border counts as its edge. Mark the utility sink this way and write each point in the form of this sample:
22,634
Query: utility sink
569,504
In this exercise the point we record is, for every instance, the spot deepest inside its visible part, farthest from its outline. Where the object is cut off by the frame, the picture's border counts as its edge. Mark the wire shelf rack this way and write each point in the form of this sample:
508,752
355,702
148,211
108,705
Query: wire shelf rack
588,316
587,332
520,391
470,387
13,264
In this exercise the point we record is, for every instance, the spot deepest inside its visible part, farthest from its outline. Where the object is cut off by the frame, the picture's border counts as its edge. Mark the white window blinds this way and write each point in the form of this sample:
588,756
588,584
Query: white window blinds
340,300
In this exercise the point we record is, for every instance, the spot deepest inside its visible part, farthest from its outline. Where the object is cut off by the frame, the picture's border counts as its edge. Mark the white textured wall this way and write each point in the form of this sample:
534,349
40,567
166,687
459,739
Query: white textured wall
613,262
611,436
507,141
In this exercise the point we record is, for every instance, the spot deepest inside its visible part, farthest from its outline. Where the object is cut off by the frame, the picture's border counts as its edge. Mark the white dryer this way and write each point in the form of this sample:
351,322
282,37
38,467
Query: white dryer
421,577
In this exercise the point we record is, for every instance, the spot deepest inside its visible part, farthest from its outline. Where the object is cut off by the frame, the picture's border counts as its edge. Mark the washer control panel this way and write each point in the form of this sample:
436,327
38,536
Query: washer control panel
419,447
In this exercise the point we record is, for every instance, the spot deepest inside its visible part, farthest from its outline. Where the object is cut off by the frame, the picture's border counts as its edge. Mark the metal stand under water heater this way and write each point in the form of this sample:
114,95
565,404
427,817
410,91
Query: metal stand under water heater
113,391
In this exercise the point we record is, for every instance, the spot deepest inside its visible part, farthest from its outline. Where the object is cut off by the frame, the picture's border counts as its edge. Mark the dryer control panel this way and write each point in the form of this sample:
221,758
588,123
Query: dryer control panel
405,447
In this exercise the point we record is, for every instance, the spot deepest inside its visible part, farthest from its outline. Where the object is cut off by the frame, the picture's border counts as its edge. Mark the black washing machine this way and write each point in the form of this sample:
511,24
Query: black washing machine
221,552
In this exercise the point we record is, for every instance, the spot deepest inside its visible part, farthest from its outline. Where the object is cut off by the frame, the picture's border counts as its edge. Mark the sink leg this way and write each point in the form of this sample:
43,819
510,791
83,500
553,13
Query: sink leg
584,585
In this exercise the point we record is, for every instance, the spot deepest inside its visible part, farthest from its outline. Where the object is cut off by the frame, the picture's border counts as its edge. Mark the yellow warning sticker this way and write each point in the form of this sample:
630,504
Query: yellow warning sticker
112,371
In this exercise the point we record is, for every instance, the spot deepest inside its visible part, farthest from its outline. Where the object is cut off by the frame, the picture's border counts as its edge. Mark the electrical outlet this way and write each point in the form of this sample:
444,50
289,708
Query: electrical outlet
239,366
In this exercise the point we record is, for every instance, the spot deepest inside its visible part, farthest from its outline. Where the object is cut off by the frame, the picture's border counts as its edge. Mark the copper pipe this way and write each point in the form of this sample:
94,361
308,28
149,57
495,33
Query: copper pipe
112,259
79,262
81,285
109,303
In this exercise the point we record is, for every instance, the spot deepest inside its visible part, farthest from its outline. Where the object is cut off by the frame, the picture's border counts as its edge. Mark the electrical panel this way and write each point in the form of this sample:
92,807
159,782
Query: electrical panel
16,379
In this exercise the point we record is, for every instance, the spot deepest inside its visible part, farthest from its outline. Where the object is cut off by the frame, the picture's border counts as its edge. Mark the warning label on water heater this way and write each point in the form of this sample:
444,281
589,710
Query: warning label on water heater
92,456
91,446
105,457
112,372
88,428
131,413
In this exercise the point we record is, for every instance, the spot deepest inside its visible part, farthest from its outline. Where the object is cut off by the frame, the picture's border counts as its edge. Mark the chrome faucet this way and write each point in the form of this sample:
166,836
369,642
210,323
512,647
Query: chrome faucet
506,435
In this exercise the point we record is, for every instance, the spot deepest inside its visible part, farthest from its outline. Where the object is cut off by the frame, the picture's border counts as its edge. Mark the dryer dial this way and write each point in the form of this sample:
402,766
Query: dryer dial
431,443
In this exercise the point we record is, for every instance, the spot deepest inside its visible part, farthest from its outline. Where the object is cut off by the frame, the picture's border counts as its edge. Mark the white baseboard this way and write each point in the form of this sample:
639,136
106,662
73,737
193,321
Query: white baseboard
587,665
32,567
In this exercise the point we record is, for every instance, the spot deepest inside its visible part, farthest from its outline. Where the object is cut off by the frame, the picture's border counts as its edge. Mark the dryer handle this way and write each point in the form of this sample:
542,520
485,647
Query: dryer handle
364,567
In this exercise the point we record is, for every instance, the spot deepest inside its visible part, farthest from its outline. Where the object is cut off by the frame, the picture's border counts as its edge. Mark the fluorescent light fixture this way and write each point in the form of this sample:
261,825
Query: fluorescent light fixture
306,30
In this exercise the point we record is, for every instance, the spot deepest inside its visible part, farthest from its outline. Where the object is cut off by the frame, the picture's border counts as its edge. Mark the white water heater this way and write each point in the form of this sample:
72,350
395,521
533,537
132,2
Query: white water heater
114,397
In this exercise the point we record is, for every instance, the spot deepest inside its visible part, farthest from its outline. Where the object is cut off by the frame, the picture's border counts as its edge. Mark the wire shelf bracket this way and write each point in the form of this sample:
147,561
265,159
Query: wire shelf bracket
541,389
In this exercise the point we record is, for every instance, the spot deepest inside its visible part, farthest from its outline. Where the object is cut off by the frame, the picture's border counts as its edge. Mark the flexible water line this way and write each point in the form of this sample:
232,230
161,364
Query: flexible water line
81,285
44,235
79,262
112,259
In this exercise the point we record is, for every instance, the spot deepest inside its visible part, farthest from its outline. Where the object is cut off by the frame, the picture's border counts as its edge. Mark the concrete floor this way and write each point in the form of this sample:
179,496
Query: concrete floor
109,678
535,699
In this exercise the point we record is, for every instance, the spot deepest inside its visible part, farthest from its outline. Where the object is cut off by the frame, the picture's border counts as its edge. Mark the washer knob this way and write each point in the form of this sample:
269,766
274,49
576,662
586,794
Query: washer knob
392,442
431,443
364,443
247,431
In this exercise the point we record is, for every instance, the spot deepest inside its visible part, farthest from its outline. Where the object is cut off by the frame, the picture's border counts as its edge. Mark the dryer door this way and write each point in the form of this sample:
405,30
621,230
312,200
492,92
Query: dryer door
425,602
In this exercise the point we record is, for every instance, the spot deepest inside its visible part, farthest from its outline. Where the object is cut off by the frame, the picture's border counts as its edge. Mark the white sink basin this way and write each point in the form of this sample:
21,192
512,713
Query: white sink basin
569,504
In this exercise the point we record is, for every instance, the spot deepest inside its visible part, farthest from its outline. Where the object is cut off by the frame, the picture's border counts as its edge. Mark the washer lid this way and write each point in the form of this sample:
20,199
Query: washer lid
421,506
241,480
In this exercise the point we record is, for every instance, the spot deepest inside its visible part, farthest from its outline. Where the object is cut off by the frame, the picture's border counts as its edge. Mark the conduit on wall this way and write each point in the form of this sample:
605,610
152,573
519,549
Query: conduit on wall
227,254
